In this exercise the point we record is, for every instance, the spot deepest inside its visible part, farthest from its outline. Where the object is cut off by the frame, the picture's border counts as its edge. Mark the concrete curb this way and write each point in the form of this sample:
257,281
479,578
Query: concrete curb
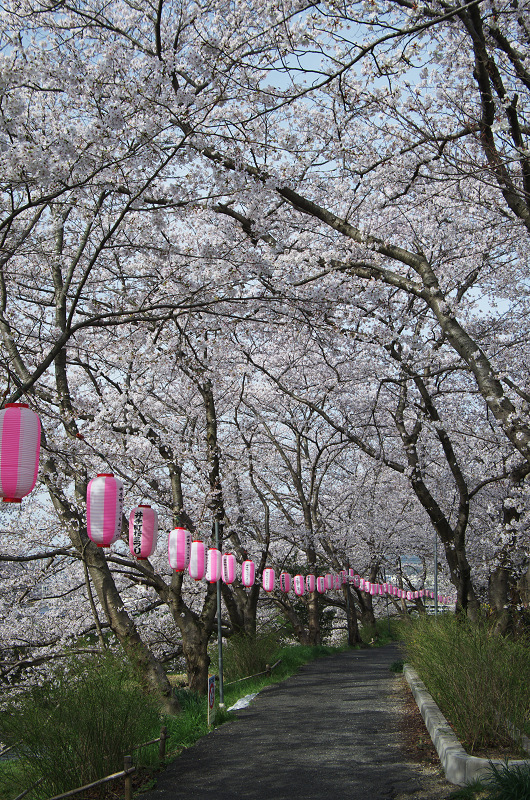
459,767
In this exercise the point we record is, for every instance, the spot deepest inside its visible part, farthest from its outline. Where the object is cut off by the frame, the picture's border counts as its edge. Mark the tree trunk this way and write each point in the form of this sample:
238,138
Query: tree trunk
313,619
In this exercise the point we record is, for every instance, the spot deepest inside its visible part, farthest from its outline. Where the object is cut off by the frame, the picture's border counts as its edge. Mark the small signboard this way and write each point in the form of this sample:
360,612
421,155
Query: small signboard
211,699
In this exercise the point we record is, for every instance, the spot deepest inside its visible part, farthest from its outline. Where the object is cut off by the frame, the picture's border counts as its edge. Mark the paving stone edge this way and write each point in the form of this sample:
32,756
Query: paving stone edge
459,767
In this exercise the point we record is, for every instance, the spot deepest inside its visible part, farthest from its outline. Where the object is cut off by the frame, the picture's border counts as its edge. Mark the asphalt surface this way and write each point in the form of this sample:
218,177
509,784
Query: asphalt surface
330,731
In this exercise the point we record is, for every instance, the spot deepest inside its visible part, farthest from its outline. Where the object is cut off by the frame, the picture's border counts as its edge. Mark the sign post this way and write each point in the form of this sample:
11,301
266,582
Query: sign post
211,699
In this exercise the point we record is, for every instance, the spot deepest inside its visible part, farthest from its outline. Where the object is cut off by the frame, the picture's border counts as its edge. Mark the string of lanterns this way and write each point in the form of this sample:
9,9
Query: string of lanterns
20,435
104,511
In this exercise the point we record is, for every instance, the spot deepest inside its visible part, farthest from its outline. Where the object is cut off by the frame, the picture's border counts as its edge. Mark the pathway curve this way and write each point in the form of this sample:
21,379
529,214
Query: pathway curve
330,731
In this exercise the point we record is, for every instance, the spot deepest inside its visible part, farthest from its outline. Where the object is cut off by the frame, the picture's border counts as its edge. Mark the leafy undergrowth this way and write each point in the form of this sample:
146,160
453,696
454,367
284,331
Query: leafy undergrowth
502,783
478,679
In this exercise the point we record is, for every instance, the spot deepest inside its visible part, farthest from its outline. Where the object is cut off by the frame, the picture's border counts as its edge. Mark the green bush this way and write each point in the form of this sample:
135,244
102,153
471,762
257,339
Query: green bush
77,727
246,655
479,679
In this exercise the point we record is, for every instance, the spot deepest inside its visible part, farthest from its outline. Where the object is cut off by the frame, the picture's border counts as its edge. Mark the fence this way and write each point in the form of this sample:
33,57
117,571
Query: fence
126,773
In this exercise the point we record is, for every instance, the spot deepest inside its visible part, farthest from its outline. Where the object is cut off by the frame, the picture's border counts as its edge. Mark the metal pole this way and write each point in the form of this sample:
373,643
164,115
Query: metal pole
219,632
435,573
387,611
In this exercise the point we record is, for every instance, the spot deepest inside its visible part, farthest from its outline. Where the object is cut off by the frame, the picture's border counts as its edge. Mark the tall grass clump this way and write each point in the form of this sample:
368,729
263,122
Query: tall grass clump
479,679
245,655
76,728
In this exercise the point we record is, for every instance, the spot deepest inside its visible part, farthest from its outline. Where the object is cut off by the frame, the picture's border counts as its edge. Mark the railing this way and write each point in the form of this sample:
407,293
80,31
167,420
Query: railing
126,773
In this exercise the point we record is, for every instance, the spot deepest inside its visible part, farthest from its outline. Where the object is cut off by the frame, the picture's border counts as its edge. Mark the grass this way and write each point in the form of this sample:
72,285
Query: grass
503,783
478,679
76,728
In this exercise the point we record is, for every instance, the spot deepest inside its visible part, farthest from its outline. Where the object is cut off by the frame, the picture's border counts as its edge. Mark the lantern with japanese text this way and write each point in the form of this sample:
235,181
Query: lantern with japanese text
268,578
320,585
20,432
285,582
328,581
143,531
248,573
104,509
197,565
298,583
179,549
228,568
310,583
213,565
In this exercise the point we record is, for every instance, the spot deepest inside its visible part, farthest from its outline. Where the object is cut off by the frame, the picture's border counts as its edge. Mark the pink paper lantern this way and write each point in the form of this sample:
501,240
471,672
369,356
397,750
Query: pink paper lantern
415,595
143,531
248,573
179,549
299,584
19,451
285,582
310,582
268,579
328,581
337,581
197,565
104,509
395,591
362,585
213,565
351,576
320,585
228,568
373,589
409,595
380,589
357,581
343,575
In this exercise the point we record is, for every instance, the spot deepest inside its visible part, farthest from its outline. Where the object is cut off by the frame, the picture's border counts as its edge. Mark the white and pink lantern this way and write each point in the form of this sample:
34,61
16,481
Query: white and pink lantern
357,581
328,581
373,589
351,576
213,565
320,585
415,595
104,501
310,582
268,579
343,576
19,451
362,585
143,531
248,573
395,591
179,549
228,568
197,565
337,581
299,585
409,595
285,582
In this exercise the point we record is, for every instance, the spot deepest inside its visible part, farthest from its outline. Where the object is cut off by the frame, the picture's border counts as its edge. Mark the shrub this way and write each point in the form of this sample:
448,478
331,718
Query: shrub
246,655
77,727
479,680
508,783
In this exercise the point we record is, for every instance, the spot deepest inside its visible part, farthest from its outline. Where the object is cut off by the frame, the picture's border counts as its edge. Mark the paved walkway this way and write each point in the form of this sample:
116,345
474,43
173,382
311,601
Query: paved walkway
331,731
